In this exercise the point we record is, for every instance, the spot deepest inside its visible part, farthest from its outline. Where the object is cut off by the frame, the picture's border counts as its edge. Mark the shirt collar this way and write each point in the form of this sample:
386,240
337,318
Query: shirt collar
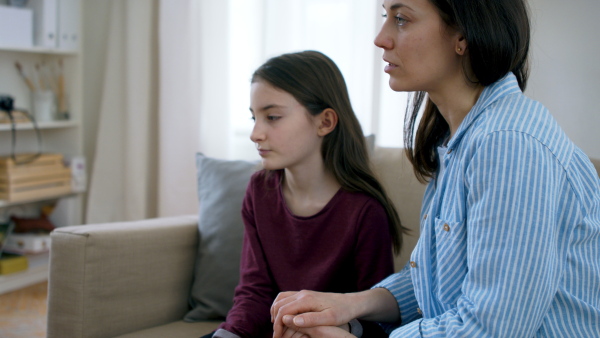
506,86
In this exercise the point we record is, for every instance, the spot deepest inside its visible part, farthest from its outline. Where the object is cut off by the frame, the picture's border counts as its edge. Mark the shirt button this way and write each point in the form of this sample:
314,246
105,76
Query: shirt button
446,227
425,217
413,264
449,151
420,311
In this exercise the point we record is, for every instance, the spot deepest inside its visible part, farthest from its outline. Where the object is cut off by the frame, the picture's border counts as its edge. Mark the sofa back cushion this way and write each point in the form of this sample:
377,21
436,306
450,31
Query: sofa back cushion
395,172
221,188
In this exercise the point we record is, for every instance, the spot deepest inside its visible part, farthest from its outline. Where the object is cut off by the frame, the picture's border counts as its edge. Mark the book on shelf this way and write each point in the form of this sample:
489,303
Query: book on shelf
6,228
11,263
28,243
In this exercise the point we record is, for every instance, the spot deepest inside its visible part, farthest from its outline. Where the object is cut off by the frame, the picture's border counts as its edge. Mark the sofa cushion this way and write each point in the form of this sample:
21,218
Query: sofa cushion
179,329
221,188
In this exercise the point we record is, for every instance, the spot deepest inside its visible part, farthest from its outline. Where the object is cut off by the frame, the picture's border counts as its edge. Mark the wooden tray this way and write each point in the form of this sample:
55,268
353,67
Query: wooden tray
45,177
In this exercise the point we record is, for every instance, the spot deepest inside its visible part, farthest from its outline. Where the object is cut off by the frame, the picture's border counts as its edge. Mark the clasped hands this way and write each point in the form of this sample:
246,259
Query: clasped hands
310,314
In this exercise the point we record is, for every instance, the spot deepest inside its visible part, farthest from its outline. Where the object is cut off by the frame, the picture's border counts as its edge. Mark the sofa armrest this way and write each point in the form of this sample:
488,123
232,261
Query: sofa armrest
115,278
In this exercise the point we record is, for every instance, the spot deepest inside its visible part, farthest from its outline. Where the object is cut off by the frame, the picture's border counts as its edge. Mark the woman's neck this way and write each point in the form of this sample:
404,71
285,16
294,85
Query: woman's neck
455,102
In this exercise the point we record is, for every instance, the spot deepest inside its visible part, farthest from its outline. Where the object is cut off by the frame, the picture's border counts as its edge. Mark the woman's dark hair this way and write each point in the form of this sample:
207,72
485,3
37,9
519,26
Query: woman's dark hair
316,82
497,33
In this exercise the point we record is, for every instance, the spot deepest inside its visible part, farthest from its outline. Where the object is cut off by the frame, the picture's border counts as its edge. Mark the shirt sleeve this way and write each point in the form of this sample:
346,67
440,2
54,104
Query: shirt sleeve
250,316
401,287
513,251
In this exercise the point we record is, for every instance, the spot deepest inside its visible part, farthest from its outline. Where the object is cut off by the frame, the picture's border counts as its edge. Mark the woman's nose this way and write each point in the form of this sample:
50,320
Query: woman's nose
383,40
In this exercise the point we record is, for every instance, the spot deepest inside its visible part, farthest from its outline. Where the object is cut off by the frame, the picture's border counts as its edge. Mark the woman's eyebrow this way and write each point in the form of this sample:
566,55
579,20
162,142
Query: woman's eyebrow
396,6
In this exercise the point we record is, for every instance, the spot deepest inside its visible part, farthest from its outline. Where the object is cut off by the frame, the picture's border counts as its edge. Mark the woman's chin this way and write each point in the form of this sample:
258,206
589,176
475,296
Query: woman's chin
397,85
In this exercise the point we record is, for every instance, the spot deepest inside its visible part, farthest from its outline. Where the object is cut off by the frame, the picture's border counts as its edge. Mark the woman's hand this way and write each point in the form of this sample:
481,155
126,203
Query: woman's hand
309,309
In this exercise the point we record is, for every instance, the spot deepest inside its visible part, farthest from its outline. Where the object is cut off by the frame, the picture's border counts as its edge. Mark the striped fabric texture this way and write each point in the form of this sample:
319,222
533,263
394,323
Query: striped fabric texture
510,231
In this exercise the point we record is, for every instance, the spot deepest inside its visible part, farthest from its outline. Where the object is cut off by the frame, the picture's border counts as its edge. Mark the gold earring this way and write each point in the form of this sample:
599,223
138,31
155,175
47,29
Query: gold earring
459,49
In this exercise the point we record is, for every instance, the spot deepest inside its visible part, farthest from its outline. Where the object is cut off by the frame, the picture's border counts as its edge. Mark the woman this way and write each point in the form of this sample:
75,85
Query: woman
510,230
316,217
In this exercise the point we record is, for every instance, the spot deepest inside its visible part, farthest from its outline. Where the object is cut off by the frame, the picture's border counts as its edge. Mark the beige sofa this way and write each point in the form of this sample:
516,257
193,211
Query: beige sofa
132,279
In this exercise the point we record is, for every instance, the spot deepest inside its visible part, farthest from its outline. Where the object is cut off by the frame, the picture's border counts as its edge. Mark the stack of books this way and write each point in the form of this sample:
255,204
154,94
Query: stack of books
10,263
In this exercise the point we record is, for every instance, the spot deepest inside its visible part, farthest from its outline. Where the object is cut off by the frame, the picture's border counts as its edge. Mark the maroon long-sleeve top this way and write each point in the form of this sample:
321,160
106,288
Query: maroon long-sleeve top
345,247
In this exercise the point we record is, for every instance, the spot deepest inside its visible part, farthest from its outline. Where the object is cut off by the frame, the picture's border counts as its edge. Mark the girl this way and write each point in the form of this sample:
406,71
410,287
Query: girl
315,217
510,231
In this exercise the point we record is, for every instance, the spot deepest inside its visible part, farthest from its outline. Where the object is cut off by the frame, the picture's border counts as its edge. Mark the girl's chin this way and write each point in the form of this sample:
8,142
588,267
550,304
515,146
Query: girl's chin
269,165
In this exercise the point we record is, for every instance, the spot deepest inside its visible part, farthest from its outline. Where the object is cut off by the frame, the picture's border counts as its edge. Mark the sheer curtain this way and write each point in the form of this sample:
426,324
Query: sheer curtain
148,121
214,46
245,33
177,81
122,184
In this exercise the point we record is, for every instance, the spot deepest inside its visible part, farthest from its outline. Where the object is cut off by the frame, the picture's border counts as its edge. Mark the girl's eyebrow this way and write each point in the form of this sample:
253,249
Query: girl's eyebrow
267,107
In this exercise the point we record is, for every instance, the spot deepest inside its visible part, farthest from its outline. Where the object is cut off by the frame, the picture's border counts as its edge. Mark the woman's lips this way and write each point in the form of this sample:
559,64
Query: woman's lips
389,67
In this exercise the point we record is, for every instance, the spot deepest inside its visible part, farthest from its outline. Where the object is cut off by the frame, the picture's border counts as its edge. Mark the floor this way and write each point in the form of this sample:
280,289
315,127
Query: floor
23,312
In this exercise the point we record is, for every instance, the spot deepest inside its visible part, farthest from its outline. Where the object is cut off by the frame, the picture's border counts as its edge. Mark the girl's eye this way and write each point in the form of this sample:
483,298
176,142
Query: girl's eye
253,118
273,118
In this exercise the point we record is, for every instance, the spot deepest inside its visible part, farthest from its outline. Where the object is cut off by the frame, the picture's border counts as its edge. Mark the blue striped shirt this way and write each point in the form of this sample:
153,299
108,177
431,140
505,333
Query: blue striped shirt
510,231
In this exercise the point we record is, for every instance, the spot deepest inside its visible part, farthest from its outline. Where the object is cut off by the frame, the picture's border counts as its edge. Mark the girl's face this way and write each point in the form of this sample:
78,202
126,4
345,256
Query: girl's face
285,133
420,49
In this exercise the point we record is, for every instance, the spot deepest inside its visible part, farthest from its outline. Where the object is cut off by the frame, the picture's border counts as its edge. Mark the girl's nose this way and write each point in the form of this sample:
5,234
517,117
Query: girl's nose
256,135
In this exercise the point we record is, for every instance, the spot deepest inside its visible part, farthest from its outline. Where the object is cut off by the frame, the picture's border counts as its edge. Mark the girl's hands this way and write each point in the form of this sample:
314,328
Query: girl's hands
319,331
311,313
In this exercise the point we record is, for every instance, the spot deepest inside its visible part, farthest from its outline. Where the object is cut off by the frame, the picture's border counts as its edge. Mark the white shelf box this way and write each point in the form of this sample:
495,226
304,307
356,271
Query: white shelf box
16,27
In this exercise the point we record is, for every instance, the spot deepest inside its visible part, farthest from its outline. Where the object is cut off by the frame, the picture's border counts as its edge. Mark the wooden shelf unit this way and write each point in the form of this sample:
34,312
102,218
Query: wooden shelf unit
64,136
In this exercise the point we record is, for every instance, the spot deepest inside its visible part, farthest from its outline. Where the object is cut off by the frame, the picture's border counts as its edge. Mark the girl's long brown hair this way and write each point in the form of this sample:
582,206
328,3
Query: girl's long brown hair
316,82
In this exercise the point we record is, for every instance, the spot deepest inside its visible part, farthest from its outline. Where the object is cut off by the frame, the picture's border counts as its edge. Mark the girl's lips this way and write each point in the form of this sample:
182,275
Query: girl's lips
263,152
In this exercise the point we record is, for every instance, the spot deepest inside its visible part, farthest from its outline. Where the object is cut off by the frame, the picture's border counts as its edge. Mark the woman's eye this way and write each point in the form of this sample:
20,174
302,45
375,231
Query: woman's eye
399,20
253,118
273,118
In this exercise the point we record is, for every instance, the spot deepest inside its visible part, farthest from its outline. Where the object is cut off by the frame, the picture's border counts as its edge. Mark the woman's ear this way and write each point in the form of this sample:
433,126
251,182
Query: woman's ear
461,45
328,120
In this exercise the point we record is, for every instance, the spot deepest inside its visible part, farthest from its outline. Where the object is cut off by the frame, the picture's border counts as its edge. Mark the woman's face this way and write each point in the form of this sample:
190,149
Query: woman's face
420,49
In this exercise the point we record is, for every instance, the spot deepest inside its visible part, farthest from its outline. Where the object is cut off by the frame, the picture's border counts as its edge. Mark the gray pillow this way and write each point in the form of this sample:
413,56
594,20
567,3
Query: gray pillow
221,188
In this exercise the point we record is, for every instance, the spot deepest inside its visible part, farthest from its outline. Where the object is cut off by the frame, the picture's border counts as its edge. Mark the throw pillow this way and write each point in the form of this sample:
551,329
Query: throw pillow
221,188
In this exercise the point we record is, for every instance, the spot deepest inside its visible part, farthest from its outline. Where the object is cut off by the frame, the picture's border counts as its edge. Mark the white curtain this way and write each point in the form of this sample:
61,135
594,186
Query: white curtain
179,110
177,81
147,131
124,170
342,29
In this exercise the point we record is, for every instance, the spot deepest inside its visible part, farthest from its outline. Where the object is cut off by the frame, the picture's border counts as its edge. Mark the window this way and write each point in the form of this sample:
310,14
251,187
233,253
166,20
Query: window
344,30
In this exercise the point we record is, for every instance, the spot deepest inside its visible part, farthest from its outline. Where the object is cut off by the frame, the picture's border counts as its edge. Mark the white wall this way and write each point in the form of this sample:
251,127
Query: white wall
565,67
